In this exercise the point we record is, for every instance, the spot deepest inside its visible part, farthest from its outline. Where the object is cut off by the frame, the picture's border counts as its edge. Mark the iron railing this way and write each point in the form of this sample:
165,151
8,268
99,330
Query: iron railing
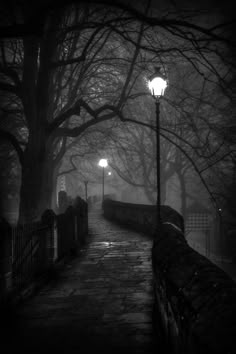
29,252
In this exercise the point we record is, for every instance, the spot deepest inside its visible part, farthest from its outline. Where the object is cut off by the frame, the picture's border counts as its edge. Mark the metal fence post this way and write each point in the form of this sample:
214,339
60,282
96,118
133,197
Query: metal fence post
81,211
49,218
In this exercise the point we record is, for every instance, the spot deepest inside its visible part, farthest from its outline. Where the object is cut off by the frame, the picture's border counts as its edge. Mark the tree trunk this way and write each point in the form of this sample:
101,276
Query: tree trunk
183,195
37,177
163,192
36,181
55,172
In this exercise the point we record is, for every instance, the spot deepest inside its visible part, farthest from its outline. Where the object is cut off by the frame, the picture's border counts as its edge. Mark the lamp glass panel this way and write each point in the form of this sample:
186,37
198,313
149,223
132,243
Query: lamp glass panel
157,86
103,163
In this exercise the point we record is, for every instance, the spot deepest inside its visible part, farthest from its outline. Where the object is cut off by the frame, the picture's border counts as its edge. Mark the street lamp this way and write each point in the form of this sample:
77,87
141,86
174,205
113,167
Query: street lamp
157,84
103,163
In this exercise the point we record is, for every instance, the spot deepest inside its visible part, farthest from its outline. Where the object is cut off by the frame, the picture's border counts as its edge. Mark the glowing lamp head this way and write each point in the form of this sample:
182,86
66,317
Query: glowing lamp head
157,84
103,163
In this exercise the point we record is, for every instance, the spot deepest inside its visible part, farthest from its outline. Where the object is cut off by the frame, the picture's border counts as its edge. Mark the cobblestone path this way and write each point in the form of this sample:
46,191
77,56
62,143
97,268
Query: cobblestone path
100,303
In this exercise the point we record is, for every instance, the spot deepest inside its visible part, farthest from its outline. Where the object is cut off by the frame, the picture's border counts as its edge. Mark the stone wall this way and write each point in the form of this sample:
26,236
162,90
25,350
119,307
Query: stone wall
195,301
139,216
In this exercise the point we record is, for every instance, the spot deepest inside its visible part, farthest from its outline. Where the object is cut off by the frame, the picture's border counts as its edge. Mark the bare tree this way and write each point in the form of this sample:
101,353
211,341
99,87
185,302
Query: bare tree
66,81
71,68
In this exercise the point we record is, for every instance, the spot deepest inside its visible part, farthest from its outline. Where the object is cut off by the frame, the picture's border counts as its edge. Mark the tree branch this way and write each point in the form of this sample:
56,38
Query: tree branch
75,110
12,74
14,142
75,132
181,149
34,25
10,88
74,168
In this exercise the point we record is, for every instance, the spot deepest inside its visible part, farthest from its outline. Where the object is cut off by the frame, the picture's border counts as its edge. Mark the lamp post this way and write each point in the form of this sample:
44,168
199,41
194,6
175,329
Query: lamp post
157,84
86,190
103,163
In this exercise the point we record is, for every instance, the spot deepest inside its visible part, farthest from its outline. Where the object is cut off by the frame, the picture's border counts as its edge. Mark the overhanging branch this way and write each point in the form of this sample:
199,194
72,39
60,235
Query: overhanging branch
178,147
75,110
75,132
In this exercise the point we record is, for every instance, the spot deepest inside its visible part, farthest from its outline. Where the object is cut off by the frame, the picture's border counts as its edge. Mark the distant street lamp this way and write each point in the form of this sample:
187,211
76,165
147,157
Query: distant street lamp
103,163
157,84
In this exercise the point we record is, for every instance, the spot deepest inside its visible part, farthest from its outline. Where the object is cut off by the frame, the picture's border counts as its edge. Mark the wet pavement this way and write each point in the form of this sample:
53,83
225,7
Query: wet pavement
101,302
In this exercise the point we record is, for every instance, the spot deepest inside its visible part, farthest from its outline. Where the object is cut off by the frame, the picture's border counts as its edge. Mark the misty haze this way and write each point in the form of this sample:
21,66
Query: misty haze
117,177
